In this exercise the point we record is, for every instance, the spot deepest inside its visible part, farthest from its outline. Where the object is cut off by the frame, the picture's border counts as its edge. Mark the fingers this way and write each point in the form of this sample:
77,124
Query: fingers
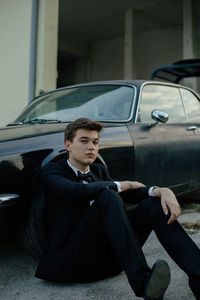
172,218
175,213
173,209
164,207
169,202
131,185
137,185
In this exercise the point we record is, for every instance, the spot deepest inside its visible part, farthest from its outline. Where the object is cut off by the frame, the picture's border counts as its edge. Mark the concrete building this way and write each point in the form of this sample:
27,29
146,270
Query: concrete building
52,43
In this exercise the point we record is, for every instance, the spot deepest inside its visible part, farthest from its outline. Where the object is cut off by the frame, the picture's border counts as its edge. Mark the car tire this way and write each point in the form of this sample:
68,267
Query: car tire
33,228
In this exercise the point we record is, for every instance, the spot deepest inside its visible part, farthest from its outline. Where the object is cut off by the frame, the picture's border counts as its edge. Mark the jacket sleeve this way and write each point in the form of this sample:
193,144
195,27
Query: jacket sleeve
57,185
136,196
133,196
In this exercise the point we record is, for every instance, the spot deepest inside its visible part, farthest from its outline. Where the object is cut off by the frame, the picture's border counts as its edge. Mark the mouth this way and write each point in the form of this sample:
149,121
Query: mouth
90,155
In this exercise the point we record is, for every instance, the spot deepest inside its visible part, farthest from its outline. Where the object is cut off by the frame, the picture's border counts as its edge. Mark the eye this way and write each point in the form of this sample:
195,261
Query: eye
95,143
84,141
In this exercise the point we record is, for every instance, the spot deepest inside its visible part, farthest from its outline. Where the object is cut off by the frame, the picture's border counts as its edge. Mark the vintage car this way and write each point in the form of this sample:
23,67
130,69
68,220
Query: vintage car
151,134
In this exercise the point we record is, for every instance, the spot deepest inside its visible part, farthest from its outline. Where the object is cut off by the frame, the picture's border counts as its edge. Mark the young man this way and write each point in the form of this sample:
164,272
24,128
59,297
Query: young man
90,234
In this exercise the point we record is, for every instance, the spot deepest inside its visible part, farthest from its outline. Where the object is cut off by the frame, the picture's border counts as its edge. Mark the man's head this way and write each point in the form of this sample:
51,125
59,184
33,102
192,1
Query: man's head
81,123
82,142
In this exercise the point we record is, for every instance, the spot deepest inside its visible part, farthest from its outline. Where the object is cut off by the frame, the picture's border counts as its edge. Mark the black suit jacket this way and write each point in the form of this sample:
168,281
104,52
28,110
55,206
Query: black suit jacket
67,200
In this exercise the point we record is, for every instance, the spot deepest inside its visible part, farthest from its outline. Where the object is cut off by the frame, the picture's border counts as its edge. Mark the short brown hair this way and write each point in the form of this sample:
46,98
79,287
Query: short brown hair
81,123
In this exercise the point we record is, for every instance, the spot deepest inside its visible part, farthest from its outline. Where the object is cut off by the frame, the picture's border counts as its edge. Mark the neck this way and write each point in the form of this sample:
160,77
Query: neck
80,167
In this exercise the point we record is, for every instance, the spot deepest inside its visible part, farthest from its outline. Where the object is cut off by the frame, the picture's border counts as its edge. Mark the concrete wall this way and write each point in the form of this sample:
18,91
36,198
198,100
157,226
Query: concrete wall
153,48
156,48
15,28
104,61
107,60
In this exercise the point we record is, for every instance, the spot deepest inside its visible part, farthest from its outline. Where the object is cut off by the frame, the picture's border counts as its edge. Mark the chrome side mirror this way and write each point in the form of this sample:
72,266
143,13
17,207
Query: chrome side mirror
159,116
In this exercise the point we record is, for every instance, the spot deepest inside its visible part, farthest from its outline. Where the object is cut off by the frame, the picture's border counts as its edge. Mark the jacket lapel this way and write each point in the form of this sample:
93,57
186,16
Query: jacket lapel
94,177
68,172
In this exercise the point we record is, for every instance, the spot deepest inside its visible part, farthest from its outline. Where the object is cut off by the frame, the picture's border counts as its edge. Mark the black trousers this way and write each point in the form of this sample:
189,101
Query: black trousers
109,240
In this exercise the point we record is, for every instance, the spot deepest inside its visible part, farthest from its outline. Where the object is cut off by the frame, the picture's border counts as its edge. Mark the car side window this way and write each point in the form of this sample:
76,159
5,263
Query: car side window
161,97
192,105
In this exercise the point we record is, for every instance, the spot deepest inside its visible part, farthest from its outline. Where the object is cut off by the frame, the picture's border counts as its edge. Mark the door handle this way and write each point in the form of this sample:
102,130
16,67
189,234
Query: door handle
192,128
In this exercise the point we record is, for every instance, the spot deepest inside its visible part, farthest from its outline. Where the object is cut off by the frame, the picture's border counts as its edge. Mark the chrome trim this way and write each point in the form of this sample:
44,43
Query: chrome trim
191,128
185,112
8,199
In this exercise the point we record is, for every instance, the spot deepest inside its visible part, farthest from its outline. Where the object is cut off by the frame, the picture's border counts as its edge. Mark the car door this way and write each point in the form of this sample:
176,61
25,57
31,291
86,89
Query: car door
164,154
191,103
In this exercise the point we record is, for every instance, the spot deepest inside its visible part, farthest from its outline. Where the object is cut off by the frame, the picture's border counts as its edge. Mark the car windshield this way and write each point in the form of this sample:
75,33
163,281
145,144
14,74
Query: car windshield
97,102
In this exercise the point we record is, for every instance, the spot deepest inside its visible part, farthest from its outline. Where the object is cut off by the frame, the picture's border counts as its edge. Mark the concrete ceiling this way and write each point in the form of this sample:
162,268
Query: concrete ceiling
92,20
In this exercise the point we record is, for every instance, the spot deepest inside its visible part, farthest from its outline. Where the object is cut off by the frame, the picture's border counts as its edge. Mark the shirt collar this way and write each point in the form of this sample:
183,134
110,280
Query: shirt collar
76,170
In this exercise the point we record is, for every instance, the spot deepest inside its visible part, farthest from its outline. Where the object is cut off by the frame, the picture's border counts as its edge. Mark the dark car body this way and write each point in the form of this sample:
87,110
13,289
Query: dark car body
133,145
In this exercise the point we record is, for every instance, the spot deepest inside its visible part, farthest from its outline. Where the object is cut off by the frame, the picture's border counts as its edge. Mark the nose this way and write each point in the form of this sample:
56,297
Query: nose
90,145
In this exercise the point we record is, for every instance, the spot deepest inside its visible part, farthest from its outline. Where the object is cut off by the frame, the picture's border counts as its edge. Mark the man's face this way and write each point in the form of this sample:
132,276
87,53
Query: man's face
83,149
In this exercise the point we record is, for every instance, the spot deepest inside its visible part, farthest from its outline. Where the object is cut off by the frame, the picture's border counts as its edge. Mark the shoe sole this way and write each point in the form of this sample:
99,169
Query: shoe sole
158,282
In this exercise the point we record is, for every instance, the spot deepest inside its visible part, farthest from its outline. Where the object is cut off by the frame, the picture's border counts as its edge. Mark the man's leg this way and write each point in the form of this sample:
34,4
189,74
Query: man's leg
149,216
106,229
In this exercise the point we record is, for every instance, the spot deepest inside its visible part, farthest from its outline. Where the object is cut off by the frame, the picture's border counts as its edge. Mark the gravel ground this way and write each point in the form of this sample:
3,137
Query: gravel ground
17,279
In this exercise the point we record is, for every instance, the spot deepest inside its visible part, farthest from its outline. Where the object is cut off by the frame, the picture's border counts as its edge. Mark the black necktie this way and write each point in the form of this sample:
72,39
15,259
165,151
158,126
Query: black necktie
85,177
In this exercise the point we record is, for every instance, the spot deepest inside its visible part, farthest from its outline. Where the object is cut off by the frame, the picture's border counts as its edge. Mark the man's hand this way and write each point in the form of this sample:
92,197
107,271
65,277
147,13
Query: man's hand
168,201
130,185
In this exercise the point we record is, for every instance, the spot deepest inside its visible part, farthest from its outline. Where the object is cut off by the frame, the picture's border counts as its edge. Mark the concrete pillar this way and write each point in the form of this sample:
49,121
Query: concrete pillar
89,63
189,37
15,44
129,45
47,45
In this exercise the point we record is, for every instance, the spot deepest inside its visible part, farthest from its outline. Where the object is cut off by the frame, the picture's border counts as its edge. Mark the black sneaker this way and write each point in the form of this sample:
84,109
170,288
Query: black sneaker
194,283
158,281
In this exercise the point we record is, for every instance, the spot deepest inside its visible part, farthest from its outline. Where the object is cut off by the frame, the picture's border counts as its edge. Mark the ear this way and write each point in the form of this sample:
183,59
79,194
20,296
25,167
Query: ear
67,145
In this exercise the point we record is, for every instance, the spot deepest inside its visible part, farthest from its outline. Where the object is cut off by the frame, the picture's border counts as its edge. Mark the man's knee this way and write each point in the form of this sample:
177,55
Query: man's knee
109,198
152,205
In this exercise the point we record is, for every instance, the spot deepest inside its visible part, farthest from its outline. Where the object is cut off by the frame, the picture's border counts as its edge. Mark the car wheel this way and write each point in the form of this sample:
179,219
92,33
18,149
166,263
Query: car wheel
33,228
